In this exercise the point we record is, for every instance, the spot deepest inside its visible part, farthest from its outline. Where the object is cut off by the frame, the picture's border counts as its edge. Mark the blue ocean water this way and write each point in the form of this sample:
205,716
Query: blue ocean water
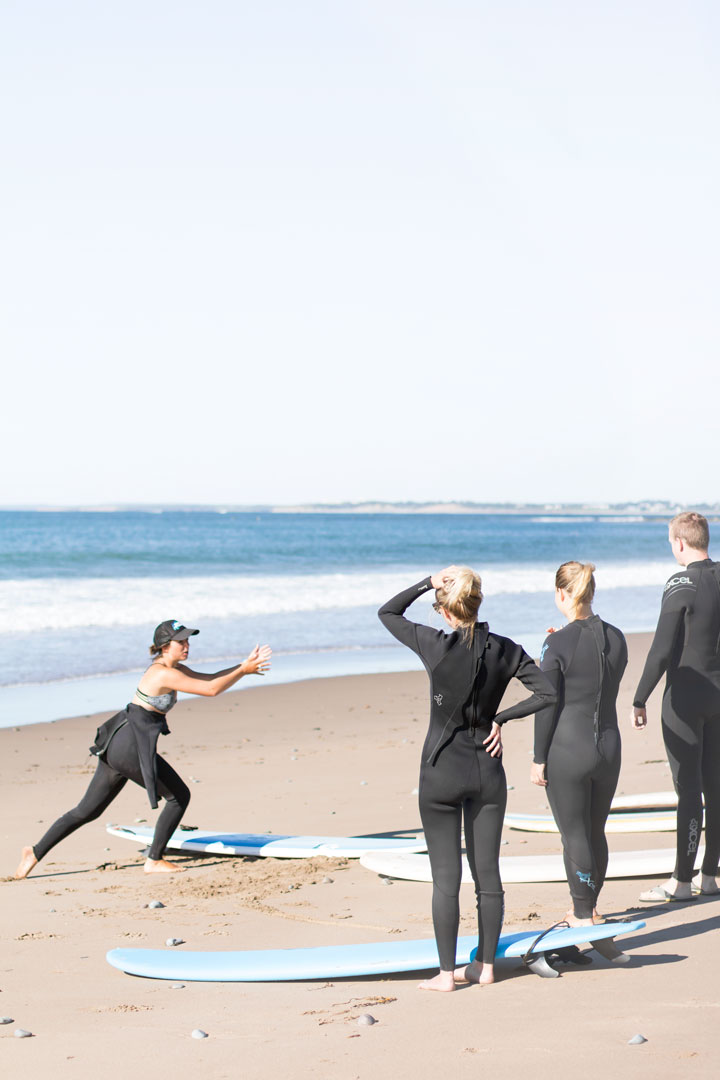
80,592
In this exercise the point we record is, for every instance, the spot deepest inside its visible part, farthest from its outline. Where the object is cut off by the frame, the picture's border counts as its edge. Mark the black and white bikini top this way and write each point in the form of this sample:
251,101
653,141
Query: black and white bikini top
162,702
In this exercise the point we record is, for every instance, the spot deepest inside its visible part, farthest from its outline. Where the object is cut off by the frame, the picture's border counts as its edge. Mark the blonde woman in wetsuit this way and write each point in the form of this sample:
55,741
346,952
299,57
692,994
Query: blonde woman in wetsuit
461,775
577,741
126,745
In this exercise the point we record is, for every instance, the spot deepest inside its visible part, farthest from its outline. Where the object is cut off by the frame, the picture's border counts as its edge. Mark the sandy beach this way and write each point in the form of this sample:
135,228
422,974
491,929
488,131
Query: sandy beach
337,757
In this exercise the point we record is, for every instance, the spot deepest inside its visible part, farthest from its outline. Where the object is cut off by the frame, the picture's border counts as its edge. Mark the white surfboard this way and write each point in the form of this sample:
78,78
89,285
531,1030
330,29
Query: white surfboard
517,869
270,845
646,821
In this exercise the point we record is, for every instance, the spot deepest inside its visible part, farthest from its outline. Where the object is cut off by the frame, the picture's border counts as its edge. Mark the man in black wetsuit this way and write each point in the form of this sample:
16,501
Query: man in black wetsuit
686,646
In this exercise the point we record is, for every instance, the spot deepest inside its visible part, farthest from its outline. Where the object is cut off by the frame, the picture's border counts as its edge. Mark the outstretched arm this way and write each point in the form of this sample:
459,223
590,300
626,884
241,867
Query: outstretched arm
211,684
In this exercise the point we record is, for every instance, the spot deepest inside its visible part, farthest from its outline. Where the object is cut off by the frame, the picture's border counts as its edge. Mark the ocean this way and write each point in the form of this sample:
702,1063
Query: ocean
81,592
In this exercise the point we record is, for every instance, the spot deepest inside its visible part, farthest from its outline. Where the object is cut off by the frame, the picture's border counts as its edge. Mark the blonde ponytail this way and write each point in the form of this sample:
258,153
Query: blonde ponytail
577,580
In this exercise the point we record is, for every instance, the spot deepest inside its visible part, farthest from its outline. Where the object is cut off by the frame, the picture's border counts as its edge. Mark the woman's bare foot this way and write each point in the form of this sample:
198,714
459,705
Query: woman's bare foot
598,919
706,884
27,861
161,866
572,920
444,981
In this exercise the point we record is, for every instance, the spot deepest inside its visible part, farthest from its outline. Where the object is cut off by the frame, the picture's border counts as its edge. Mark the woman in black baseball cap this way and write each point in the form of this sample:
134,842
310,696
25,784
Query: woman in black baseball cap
126,745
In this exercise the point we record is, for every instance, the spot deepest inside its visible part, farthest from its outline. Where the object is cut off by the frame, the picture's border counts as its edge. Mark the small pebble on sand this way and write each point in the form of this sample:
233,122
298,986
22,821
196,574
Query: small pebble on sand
6,1020
198,1033
139,820
385,881
177,986
363,783
175,941
637,1040
366,1020
156,904
194,780
327,881
21,1033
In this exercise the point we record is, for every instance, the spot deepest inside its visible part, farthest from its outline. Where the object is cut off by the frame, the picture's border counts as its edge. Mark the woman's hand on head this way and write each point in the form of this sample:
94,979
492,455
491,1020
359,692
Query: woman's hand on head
258,662
537,775
439,579
493,743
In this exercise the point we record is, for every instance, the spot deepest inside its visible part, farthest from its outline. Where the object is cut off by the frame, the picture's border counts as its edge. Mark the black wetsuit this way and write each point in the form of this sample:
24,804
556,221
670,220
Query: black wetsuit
686,646
579,742
458,777
126,749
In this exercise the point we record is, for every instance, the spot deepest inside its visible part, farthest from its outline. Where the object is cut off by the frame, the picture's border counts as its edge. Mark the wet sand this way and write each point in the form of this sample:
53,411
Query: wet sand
335,757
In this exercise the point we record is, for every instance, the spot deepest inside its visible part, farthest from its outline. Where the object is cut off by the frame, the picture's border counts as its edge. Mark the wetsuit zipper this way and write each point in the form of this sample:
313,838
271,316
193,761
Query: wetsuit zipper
597,631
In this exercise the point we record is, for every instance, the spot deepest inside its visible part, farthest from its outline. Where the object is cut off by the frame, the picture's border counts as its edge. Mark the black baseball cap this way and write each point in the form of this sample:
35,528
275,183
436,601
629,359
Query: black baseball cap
171,630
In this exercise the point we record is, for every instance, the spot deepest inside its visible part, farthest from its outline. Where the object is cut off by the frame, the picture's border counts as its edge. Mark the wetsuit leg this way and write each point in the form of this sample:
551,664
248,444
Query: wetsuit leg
483,830
173,789
441,815
683,735
569,793
711,790
105,785
122,756
603,786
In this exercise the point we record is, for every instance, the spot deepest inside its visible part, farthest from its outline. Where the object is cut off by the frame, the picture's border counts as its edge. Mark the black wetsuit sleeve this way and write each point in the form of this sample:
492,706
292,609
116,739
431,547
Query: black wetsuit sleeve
552,669
677,598
430,645
542,690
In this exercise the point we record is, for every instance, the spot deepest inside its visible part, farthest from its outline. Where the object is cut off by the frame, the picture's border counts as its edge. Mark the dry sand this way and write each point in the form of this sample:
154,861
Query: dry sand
293,759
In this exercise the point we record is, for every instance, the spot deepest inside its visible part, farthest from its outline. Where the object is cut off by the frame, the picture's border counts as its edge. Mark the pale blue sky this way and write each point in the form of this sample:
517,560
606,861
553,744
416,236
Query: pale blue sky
317,251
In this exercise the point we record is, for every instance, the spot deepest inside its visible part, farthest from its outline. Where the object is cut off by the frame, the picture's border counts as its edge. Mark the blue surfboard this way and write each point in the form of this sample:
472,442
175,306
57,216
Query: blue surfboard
338,961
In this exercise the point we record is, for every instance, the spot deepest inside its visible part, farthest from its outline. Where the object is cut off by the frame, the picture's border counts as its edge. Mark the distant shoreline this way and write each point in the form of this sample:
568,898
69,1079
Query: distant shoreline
647,510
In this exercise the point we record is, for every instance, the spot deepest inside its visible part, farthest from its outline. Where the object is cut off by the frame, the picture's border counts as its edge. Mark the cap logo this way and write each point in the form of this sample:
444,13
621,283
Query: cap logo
176,625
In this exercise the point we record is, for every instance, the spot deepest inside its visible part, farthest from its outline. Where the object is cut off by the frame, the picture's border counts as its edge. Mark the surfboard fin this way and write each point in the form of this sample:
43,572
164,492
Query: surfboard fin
607,948
540,965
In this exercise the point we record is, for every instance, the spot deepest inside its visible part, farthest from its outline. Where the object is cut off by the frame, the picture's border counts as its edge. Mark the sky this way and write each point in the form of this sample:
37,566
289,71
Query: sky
304,251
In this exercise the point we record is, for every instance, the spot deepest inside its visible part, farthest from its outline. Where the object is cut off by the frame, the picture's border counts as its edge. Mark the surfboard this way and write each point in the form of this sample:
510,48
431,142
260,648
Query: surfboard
649,800
651,821
270,845
516,869
340,961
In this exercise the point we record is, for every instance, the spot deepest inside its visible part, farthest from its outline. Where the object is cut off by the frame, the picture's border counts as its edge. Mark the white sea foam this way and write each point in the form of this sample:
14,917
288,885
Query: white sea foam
29,606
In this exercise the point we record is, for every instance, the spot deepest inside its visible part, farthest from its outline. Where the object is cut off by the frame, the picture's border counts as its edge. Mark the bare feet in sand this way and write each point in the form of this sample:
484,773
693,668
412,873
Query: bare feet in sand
161,866
467,974
572,920
27,861
444,981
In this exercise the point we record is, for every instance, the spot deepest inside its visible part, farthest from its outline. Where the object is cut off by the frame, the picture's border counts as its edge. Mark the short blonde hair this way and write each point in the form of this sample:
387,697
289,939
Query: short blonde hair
462,597
692,528
577,580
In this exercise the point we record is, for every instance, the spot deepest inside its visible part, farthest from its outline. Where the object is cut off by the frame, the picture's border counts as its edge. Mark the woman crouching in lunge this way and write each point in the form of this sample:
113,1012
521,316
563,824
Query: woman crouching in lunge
461,774
126,745
577,741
